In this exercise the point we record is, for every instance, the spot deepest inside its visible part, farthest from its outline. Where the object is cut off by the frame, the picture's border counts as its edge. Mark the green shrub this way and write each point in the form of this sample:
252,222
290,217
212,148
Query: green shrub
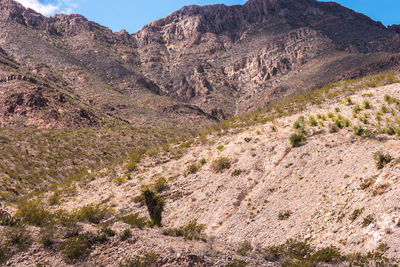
356,213
190,231
291,249
160,185
220,147
120,180
134,220
356,109
363,132
284,215
8,220
18,236
221,164
193,168
349,102
368,183
92,213
131,166
125,235
203,161
312,121
367,105
391,131
47,236
244,247
104,234
54,199
236,263
147,260
299,123
294,253
368,220
32,212
78,247
381,159
296,140
326,255
155,206
4,253
237,172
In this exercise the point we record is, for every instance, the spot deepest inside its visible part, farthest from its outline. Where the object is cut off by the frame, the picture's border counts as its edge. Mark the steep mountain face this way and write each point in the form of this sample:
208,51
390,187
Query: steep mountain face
200,63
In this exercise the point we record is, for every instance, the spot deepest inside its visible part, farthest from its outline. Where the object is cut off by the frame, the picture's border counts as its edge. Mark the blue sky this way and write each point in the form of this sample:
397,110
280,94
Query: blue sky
132,15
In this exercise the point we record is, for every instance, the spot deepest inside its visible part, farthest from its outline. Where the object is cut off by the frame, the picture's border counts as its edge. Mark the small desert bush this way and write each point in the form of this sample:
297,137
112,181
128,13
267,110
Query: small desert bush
244,248
299,123
4,253
312,121
362,132
8,220
367,183
92,213
160,185
120,180
104,234
134,220
125,235
295,253
356,213
131,166
236,263
190,231
367,105
47,236
77,247
221,164
284,215
54,199
33,212
367,220
237,172
147,260
297,139
193,168
381,159
18,236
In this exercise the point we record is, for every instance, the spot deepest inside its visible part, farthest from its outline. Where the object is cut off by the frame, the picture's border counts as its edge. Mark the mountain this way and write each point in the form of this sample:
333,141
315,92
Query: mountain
199,64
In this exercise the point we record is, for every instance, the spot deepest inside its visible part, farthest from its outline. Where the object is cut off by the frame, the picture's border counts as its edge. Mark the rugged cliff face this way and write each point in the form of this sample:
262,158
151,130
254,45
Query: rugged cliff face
199,61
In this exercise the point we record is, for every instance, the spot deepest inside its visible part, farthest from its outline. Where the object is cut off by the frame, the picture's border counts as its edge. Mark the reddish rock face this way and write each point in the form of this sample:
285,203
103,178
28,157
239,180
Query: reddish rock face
235,58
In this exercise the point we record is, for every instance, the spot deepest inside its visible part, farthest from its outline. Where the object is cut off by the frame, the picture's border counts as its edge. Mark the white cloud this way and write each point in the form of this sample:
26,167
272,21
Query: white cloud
62,6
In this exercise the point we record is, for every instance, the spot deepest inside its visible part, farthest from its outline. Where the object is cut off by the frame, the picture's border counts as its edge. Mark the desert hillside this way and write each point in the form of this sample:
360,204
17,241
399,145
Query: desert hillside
262,134
312,180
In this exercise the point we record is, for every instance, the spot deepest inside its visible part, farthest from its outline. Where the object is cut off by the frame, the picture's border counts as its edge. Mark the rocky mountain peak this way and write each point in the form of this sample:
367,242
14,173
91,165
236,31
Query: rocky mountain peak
395,28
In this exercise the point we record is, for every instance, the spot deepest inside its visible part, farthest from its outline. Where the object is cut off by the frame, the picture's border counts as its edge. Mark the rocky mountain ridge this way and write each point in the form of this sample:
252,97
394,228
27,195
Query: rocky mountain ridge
199,61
